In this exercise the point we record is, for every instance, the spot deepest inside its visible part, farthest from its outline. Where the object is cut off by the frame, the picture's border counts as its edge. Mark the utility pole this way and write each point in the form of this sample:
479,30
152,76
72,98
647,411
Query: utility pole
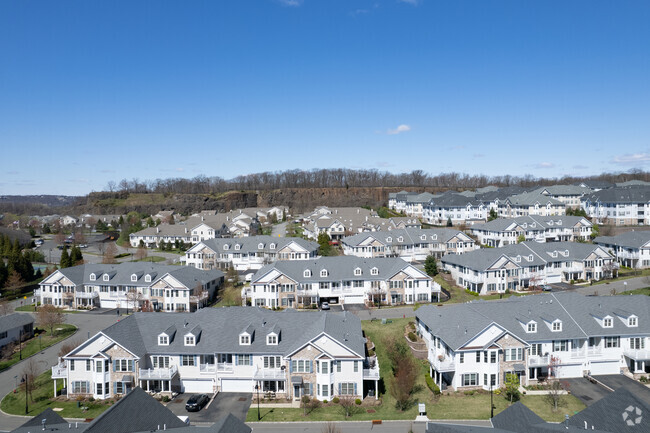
26,392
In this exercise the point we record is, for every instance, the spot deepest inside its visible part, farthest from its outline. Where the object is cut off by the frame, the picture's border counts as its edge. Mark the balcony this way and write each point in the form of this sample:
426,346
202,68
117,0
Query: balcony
158,373
208,368
37,292
538,361
60,371
86,295
223,367
269,374
637,354
371,373
442,362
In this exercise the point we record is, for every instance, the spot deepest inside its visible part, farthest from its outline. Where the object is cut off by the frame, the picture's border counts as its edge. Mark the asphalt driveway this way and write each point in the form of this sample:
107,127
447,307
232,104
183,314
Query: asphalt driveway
236,403
589,393
616,381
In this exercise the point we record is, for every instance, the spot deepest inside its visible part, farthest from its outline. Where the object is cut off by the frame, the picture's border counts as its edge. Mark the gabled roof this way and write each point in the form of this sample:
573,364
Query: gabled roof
15,320
516,418
49,416
409,236
632,239
639,194
230,424
619,412
251,244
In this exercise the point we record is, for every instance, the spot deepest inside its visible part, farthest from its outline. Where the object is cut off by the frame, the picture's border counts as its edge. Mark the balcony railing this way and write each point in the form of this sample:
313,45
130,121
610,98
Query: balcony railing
158,373
224,367
538,361
86,295
207,368
442,362
37,292
60,371
269,374
637,354
371,373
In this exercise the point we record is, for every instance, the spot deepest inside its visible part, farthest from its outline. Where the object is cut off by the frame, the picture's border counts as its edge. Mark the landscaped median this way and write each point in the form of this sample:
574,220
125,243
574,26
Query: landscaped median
37,344
448,405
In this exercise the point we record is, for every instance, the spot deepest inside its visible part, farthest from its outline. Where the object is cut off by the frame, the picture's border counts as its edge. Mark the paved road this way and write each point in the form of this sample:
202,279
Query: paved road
619,286
589,393
279,230
354,426
86,322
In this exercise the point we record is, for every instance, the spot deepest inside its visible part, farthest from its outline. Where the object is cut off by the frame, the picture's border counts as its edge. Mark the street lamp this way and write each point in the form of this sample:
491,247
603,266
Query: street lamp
40,345
26,392
491,402
20,343
257,388
16,383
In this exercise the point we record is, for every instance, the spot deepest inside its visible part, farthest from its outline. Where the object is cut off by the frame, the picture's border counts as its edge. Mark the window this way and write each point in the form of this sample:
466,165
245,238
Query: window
323,272
557,326
324,390
307,273
80,387
99,389
356,366
244,339
532,327
612,342
122,365
560,345
187,360
536,349
478,356
348,388
608,322
99,366
272,339
119,387
470,379
272,362
72,365
272,246
461,358
514,354
243,360
93,277
493,357
163,340
374,271
147,278
637,343
160,361
134,277
357,271
106,278
88,365
632,321
301,366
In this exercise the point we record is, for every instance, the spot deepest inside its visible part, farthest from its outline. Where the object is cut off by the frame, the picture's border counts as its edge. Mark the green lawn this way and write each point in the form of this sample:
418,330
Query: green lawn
30,309
153,259
34,345
459,295
229,296
643,291
452,405
43,398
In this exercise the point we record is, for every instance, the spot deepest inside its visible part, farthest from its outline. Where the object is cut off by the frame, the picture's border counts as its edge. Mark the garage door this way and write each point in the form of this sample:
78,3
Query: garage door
198,386
574,370
355,299
597,368
236,385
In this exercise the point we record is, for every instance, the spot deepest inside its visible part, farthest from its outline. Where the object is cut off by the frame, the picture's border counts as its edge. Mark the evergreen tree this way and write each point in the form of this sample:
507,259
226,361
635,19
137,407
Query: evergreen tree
431,266
65,259
46,229
449,223
4,273
324,242
16,247
75,255
493,215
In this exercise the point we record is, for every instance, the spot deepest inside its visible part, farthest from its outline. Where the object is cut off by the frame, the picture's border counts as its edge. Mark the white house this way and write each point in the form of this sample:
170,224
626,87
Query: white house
620,206
631,249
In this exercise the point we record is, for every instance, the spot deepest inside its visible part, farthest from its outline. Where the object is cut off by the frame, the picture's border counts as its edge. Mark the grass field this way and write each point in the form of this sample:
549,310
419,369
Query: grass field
42,397
230,296
643,291
452,405
35,345
154,259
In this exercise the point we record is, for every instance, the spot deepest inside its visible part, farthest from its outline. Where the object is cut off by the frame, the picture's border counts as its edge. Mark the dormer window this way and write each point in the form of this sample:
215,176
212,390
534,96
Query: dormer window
226,247
323,272
608,322
307,273
518,259
632,321
530,258
245,339
260,246
566,253
237,247
389,239
93,277
147,278
134,277
531,327
106,277
556,326
163,340
272,246
272,339
423,237
189,340
357,271
374,271
400,239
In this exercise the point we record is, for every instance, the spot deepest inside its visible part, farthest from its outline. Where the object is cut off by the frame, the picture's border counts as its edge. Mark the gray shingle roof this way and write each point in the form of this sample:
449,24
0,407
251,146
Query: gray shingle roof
640,194
409,236
15,320
632,239
607,414
532,223
516,418
251,244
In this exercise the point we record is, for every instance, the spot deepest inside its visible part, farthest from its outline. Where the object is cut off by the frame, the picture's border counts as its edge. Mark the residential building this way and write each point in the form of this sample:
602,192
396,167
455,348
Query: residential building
404,223
619,206
339,222
458,208
558,335
344,280
249,253
631,249
287,354
408,244
15,327
137,285
530,203
528,264
506,231
570,195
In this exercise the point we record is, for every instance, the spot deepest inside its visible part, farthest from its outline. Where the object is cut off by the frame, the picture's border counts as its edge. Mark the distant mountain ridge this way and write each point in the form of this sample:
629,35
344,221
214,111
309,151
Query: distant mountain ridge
47,200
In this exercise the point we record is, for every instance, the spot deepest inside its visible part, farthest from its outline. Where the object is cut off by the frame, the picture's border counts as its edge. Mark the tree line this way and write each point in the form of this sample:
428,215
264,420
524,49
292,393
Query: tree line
346,178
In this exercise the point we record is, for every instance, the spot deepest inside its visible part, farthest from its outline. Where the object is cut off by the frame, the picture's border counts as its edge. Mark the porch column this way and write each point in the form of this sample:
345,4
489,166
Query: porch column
376,389
54,388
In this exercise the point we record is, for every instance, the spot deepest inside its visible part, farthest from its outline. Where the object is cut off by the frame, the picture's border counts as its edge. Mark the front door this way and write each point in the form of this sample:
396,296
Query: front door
297,392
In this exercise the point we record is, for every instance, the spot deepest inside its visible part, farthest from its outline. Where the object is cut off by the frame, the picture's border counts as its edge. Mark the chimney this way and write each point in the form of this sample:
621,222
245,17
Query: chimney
157,229
185,229
201,217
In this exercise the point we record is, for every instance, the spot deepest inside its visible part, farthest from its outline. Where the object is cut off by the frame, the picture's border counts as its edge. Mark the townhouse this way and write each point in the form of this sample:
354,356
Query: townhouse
344,280
559,335
339,222
408,244
286,354
506,231
458,208
528,264
136,285
631,249
570,195
620,205
530,203
249,253
15,327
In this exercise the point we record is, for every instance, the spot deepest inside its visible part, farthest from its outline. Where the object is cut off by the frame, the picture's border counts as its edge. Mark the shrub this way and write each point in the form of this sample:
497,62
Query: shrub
325,401
336,400
166,398
469,392
91,398
412,336
432,385
643,379
468,291
357,401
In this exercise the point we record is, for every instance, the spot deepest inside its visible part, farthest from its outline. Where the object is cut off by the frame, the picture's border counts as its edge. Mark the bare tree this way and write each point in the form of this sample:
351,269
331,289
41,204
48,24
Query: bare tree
13,283
68,346
141,253
48,316
8,350
6,307
555,394
554,365
30,373
109,254
348,406
133,297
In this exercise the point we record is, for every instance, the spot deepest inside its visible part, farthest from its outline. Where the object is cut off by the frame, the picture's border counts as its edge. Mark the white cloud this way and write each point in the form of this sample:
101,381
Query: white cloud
640,158
292,3
478,155
399,129
544,165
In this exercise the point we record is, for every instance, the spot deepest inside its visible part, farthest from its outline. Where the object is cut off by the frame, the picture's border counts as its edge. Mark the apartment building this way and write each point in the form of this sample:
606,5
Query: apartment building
631,249
563,335
287,354
458,208
135,285
528,264
530,203
619,206
344,280
408,244
570,195
249,253
506,231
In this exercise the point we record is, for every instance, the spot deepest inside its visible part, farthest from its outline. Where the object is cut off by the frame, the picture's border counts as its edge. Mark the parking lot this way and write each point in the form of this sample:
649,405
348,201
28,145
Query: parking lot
236,403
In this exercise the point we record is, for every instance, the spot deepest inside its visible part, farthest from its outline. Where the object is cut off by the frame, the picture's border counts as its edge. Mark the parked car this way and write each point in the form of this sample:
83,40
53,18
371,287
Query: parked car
325,306
83,246
249,277
196,402
547,288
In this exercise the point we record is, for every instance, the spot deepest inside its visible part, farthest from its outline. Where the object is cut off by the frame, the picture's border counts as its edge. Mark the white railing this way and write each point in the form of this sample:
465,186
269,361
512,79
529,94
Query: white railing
442,362
60,371
371,373
223,367
37,292
264,374
158,373
207,368
538,361
637,354
86,295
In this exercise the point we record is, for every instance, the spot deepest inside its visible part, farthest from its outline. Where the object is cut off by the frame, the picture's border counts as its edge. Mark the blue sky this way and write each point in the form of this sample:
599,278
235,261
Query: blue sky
95,91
